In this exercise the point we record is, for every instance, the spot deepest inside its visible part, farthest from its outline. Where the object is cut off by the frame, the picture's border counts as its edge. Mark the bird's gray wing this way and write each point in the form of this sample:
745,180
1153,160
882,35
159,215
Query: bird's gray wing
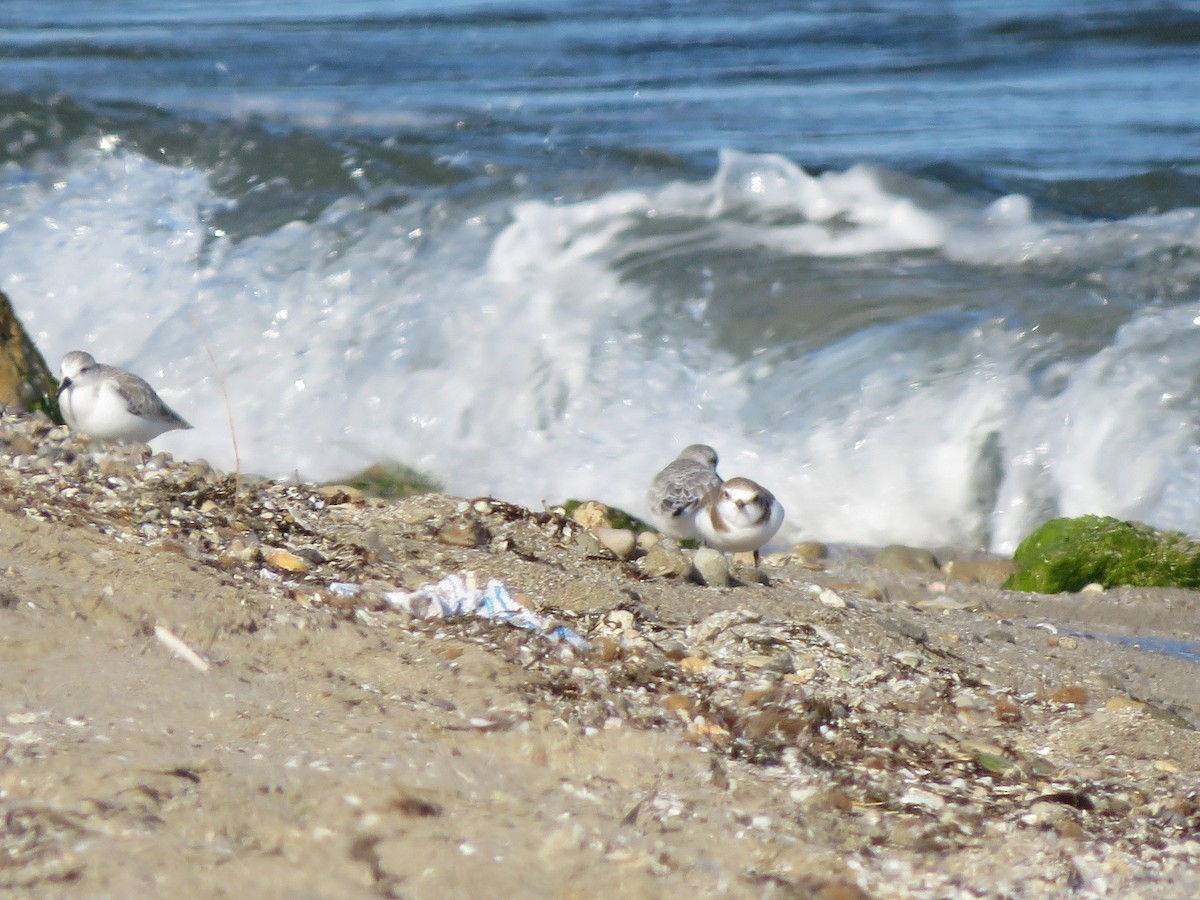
141,399
681,487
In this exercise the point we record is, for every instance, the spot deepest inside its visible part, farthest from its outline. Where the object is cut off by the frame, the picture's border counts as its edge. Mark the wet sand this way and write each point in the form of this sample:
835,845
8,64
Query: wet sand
847,730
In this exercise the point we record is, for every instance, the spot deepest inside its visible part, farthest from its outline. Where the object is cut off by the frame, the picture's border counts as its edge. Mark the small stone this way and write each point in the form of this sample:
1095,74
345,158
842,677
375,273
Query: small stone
711,567
1006,709
701,730
923,799
620,541
665,561
648,539
906,627
589,545
674,650
21,445
1068,643
622,619
1046,813
592,515
209,506
782,664
759,695
873,589
1165,765
694,664
311,555
907,559
1094,588
831,599
993,572
464,533
335,494
1116,704
679,702
606,648
1071,695
809,551
285,561
1069,828
969,699
248,552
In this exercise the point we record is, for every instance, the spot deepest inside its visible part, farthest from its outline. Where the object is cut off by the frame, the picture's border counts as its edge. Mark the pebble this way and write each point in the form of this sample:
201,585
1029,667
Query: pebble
464,533
285,561
832,599
592,515
589,545
906,627
1006,709
664,561
711,567
993,572
1118,703
648,539
809,551
335,494
901,558
620,541
1070,694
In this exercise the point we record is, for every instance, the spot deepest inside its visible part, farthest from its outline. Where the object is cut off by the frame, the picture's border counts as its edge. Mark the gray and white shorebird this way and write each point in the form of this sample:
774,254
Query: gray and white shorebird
676,493
110,403
739,516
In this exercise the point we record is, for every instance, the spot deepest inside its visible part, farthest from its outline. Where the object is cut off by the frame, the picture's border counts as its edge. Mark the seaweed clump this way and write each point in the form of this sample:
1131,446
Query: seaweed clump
1070,553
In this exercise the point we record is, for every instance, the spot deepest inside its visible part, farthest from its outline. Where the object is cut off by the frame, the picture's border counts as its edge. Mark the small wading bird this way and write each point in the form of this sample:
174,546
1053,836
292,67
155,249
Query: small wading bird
110,403
676,493
739,516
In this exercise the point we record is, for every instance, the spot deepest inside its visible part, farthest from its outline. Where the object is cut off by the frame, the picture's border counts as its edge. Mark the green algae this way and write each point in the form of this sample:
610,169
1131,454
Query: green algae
1068,554
390,481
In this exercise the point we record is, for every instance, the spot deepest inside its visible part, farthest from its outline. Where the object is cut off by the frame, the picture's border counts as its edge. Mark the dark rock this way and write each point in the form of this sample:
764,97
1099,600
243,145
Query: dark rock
26,382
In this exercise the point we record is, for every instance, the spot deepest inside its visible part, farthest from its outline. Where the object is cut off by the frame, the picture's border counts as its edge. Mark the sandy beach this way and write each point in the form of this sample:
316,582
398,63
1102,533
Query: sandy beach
208,691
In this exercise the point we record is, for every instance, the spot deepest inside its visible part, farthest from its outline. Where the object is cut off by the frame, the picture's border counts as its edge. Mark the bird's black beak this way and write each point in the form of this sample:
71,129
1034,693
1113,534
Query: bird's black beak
66,383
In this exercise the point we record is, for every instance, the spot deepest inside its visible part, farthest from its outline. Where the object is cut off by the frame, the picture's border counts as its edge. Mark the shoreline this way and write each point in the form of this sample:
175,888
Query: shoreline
847,730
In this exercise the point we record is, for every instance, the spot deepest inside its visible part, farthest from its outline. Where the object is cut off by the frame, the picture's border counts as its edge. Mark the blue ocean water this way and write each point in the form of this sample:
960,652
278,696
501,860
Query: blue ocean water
927,270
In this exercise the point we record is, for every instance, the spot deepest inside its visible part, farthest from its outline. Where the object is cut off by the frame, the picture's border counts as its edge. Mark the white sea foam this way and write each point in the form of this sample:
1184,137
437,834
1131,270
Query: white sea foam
503,351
